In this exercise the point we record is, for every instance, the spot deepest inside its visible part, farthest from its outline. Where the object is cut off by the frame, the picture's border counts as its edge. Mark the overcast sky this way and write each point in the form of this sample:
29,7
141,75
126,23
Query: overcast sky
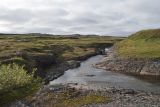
104,17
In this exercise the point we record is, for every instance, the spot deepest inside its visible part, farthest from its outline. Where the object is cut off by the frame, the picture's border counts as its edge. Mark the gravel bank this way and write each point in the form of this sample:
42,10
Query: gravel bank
119,98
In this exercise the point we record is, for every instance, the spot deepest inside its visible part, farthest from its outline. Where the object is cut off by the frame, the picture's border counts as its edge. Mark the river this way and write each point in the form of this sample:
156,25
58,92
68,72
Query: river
89,77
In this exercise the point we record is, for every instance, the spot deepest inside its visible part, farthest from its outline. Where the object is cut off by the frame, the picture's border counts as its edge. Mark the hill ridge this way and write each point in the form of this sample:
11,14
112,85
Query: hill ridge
146,34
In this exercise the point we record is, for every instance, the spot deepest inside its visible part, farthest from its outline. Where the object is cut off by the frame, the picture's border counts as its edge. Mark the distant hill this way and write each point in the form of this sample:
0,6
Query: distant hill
29,34
43,34
72,36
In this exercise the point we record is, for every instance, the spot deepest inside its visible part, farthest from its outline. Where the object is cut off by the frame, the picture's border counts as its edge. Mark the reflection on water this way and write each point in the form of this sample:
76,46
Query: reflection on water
95,78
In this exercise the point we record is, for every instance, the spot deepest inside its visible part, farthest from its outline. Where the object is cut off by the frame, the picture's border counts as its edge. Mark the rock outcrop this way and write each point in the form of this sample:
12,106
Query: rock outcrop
130,65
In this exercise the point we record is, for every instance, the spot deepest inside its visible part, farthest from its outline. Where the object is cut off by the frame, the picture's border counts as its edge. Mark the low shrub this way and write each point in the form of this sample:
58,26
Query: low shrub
16,83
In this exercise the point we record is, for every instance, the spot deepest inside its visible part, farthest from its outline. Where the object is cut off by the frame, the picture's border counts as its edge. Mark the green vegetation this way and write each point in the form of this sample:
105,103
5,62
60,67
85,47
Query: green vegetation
15,83
77,51
143,44
11,45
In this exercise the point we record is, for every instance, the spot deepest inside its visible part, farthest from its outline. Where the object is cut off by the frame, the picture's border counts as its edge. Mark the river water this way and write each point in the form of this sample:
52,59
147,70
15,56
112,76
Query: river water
87,76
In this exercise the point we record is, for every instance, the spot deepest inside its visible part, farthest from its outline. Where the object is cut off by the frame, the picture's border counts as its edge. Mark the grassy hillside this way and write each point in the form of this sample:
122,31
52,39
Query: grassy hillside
143,44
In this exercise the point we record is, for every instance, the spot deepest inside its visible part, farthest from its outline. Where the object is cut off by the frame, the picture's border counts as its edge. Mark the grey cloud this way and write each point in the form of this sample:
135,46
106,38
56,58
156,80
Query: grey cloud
105,17
15,16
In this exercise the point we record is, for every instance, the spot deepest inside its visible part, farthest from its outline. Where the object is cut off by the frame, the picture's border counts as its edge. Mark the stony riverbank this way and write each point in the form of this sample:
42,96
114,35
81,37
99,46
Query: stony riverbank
65,96
129,65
